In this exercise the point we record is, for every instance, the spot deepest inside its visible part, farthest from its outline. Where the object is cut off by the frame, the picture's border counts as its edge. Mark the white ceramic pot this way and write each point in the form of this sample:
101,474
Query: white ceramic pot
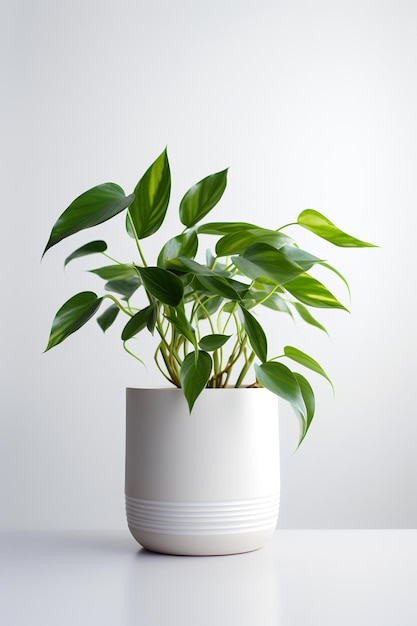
205,483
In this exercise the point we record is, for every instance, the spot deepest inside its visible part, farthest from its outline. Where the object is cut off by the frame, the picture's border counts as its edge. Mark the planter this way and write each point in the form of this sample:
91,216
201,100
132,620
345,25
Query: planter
205,483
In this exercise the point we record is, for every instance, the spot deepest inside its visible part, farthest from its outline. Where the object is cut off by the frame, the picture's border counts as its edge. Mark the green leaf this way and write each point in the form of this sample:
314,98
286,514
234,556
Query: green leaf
224,228
281,380
72,315
202,198
306,316
106,319
321,226
255,334
209,280
307,361
276,303
162,284
261,259
238,242
310,403
89,248
126,286
151,198
184,245
116,272
194,375
310,291
335,271
137,322
95,206
213,342
301,257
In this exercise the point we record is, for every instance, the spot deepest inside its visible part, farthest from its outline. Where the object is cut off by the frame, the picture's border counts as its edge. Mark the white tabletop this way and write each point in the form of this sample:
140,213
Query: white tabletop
326,577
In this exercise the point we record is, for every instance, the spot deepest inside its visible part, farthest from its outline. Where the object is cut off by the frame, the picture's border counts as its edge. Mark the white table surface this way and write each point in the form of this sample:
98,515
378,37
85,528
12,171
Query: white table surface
317,577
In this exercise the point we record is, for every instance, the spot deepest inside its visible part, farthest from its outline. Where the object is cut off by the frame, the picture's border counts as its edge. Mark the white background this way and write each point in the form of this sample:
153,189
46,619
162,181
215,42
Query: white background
311,104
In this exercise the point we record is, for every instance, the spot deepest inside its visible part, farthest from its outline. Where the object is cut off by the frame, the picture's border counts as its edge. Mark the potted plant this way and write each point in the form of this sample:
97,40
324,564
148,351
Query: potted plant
202,469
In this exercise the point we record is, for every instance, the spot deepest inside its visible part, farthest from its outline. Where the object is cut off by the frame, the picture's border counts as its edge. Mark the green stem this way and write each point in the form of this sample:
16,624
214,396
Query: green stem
116,301
136,240
245,369
133,354
286,226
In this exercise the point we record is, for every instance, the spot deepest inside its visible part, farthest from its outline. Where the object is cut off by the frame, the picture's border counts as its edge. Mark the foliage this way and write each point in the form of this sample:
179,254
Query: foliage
202,314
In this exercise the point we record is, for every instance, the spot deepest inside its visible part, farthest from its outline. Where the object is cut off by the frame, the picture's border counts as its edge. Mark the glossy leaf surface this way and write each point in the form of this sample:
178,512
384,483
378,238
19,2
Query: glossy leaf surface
115,272
224,228
162,284
106,319
213,342
202,198
95,206
255,333
261,259
126,286
323,227
89,248
194,375
72,315
305,315
310,403
307,361
238,242
310,291
279,379
151,198
137,323
184,245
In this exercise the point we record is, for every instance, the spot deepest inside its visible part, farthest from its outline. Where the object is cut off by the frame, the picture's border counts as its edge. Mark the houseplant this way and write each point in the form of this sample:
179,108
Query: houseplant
202,313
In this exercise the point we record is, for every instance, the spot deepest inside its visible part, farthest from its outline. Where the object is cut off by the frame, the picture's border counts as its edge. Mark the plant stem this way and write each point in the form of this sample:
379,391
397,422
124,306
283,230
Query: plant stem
136,240
245,369
116,301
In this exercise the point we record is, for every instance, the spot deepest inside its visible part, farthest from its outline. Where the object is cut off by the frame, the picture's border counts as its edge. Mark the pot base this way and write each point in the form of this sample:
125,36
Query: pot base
202,545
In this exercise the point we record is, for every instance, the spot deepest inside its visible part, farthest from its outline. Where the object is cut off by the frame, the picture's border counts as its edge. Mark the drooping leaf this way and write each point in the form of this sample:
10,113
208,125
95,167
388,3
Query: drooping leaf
162,284
307,317
213,342
321,226
238,242
116,272
151,197
89,248
276,303
279,379
184,245
106,319
95,206
261,259
194,375
310,403
335,271
137,323
224,228
125,286
72,315
202,198
307,361
310,291
255,333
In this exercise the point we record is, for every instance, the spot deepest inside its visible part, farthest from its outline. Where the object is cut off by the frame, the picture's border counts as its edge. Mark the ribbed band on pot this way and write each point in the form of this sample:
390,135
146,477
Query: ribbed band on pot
202,518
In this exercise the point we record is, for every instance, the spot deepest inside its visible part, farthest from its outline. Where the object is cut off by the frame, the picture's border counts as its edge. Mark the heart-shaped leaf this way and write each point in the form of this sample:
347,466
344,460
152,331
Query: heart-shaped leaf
194,375
255,333
184,245
202,198
95,206
162,284
72,315
89,248
151,198
213,342
281,380
106,319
